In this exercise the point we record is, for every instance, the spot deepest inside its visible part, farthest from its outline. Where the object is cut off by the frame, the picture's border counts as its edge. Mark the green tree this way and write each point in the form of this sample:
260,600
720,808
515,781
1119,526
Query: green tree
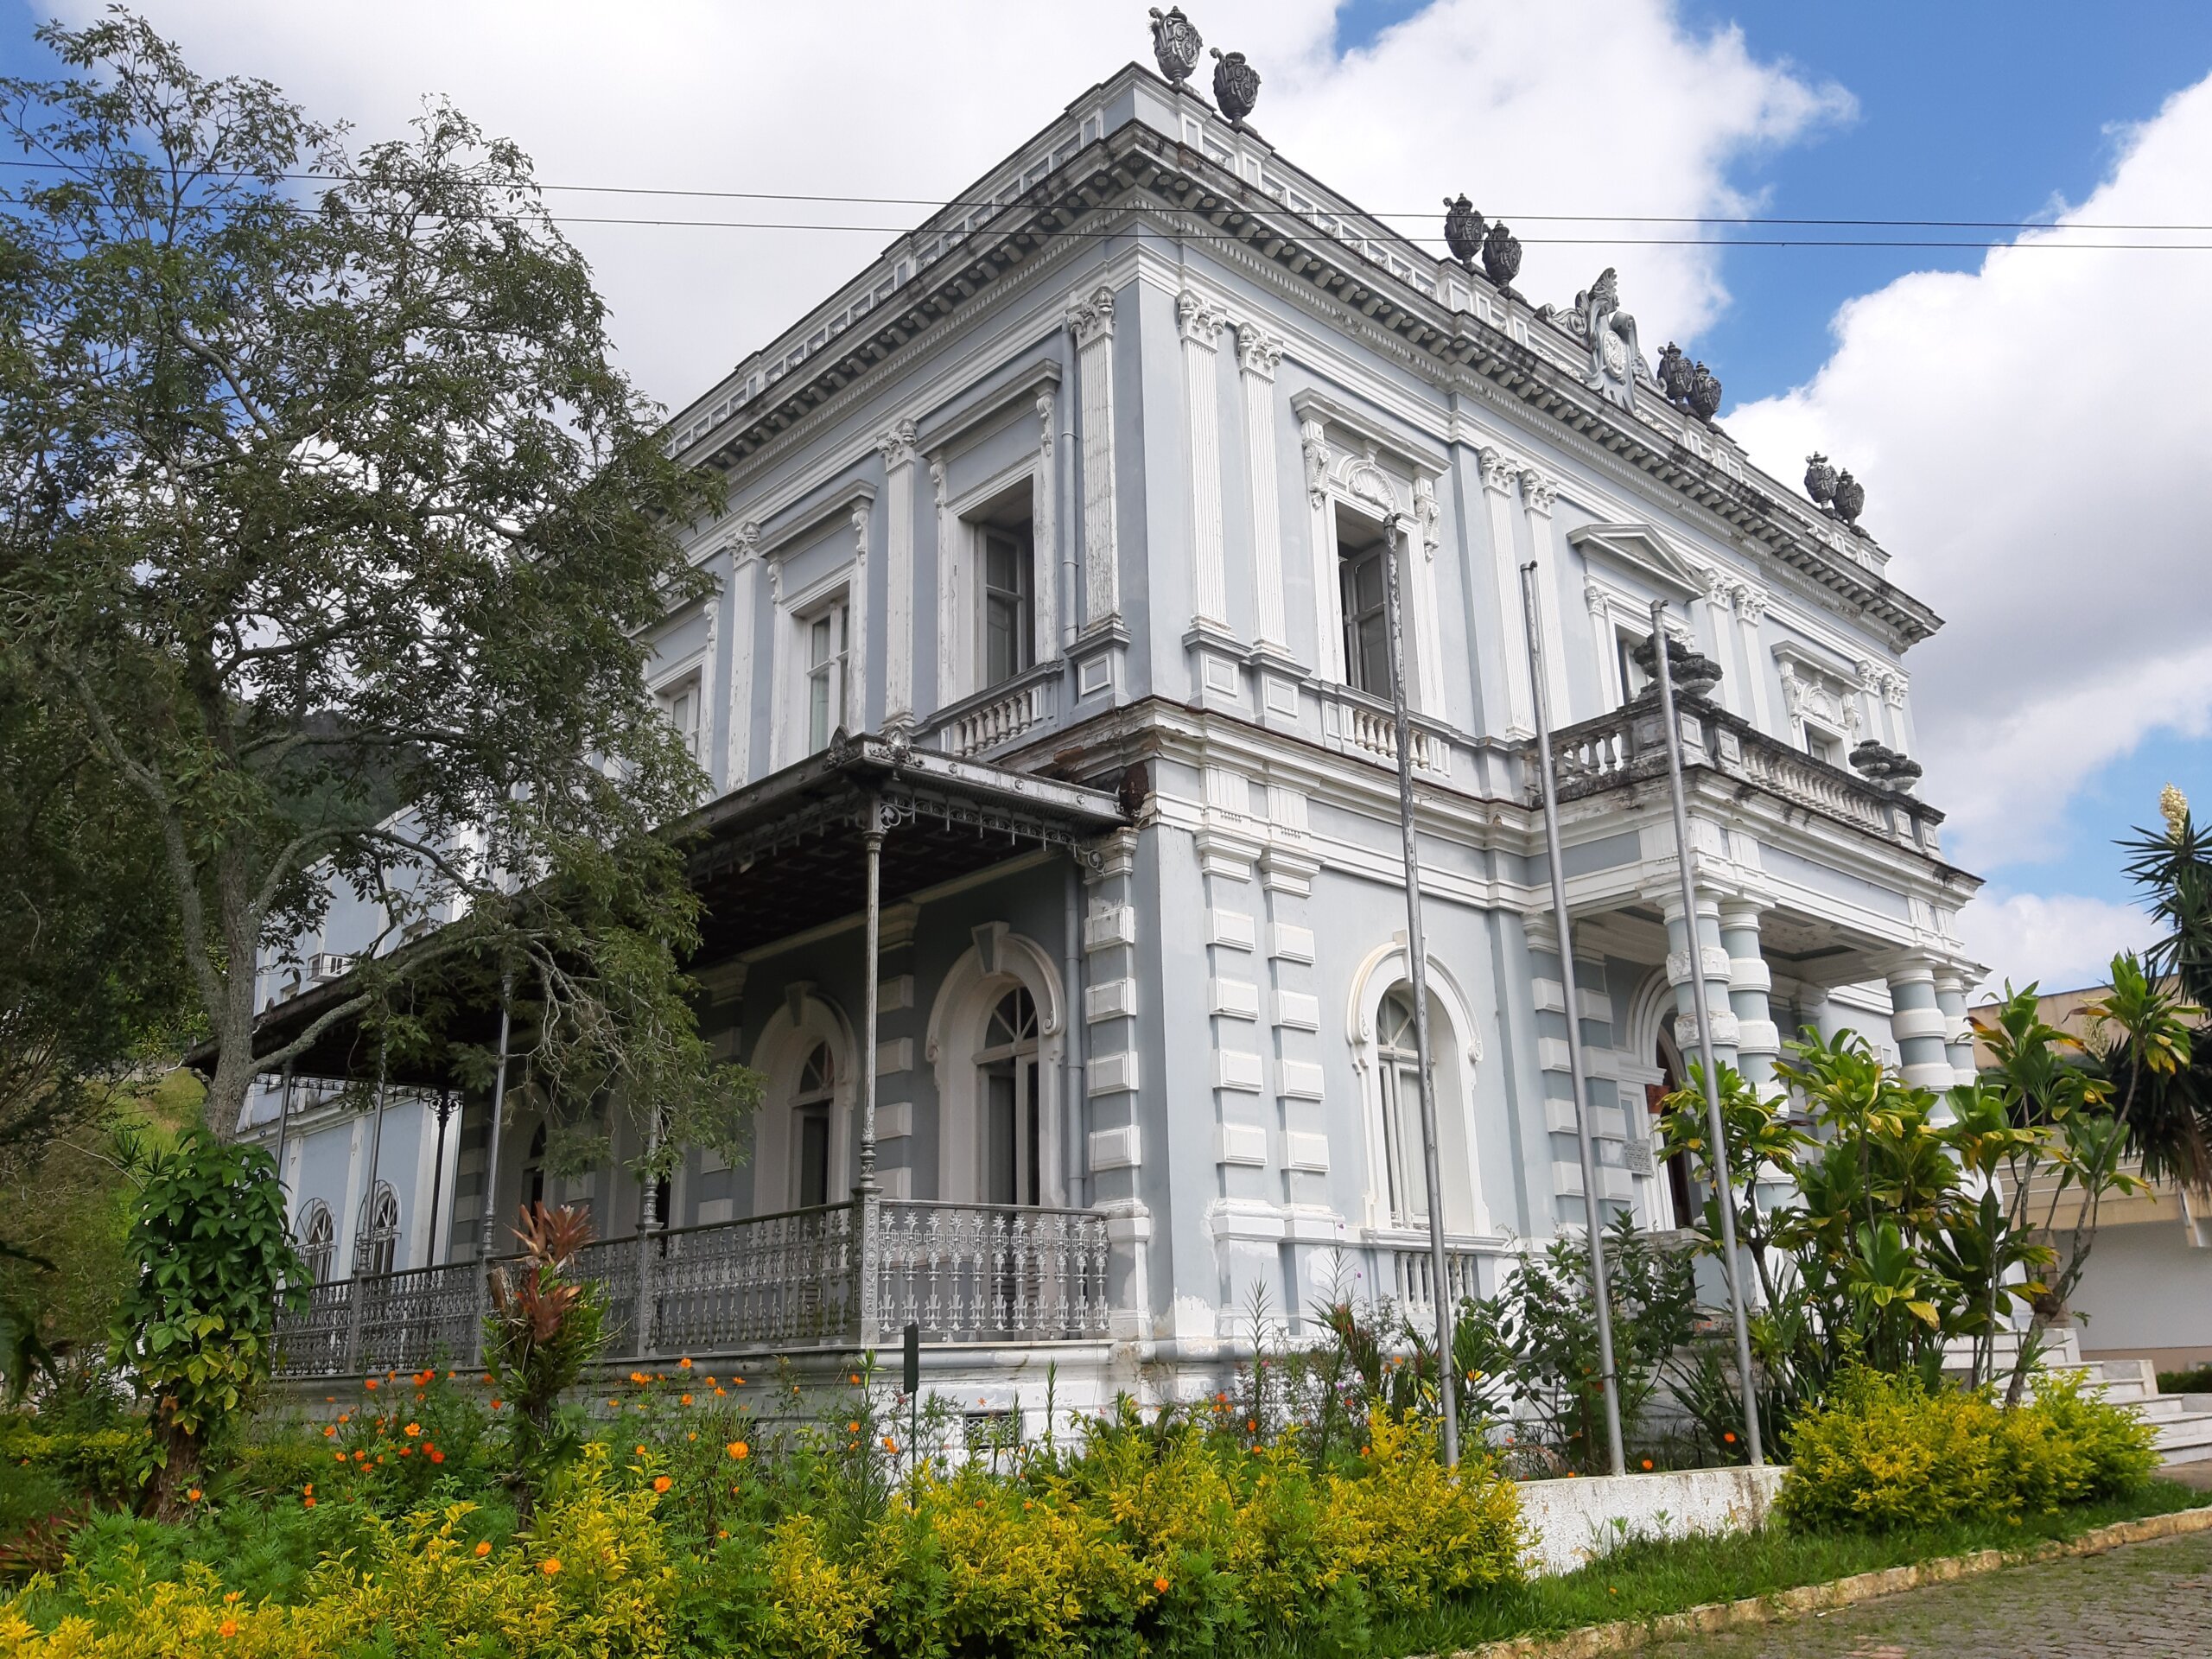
195,1331
2161,1081
328,514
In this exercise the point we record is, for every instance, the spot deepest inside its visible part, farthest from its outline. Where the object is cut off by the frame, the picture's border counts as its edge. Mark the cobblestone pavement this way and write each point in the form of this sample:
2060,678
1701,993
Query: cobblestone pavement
2143,1601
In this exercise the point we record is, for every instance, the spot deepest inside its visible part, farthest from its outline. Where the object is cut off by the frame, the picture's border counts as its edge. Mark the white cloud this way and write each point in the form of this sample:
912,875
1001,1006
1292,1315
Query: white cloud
2061,942
2032,437
1579,105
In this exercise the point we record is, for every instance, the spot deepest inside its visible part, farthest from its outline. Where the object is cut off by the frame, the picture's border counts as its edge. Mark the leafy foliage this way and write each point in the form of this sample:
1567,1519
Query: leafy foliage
195,1331
335,528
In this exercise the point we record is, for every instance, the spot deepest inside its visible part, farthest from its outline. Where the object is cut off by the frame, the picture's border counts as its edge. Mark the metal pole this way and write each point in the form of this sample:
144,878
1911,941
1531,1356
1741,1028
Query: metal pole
1716,1126
1608,1375
443,1111
867,1201
488,1219
359,1293
283,1122
1071,1035
1417,964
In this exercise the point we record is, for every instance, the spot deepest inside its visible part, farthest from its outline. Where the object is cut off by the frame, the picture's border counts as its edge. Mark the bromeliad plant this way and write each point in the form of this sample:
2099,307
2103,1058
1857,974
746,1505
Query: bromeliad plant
545,1326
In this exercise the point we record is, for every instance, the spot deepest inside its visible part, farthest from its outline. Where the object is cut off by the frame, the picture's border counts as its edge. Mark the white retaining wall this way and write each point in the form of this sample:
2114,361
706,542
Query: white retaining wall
1573,1521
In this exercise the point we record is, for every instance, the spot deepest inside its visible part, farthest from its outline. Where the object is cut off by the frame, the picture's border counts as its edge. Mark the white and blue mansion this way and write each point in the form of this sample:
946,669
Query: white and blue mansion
1052,564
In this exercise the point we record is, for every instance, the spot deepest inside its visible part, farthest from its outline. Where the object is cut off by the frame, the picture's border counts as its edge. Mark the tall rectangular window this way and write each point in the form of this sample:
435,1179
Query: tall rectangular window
825,673
1367,623
1009,600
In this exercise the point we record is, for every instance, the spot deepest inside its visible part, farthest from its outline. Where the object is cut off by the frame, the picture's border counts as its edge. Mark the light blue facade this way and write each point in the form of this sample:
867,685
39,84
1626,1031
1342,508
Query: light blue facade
1191,381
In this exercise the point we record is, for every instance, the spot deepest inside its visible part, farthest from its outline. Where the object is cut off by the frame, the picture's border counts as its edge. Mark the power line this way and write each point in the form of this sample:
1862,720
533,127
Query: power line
935,205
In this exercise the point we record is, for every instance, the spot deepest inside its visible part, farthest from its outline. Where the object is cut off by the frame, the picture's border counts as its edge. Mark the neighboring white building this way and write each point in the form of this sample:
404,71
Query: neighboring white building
1075,502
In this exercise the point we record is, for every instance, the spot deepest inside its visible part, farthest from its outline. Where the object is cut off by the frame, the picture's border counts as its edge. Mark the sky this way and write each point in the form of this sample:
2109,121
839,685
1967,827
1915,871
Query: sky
2030,421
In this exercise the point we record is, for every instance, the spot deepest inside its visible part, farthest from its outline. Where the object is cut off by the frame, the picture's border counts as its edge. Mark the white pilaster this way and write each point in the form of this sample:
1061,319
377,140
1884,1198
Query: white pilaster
897,446
953,633
1424,536
745,686
1501,475
856,615
1750,613
1537,494
1257,355
1329,634
1199,321
1044,536
1092,322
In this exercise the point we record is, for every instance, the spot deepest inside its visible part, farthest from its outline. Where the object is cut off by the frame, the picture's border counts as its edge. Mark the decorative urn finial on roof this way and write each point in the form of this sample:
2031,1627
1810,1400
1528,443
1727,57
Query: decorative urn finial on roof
1175,42
1235,86
1502,259
1463,230
1850,498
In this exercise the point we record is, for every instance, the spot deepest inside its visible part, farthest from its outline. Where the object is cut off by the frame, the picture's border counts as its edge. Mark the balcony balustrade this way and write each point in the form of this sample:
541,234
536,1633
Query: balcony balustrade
999,714
1630,746
787,1283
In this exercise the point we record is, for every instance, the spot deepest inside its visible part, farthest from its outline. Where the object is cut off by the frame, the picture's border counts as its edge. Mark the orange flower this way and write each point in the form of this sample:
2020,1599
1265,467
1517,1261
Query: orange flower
412,1430
550,1566
662,1482
330,1431
1730,1436
192,1495
340,1456
1160,1585
852,1428
1251,1426
683,1365
487,1379
369,1384
856,1379
641,1451
685,1400
722,1393
483,1548
1647,1463
891,1446
227,1629
308,1488
308,1502
739,1450
436,1456
496,1404
693,1435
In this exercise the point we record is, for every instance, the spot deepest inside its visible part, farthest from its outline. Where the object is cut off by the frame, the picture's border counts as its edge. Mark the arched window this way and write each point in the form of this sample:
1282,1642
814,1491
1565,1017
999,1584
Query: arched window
811,1100
318,1242
1008,1081
376,1247
1405,1168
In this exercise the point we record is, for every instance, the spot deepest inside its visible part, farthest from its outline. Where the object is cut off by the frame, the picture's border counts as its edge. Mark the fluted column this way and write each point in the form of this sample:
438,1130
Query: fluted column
1045,506
1751,985
1200,323
1537,494
1258,353
857,652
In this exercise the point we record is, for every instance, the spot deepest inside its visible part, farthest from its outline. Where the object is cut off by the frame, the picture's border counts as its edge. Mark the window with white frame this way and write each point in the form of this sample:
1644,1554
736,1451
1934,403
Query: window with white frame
823,630
1363,602
1008,1078
1634,680
1823,745
680,704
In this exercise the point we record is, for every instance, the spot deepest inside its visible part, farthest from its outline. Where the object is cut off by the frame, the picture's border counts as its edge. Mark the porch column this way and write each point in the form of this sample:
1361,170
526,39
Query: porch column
1749,990
1951,983
868,1200
1718,972
1919,1025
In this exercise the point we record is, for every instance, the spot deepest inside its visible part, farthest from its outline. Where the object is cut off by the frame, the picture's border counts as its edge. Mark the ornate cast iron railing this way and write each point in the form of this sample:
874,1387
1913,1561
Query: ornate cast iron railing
1628,745
788,1282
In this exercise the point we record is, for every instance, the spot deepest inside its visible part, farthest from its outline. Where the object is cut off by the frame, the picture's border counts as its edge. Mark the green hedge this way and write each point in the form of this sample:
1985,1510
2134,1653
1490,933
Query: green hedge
1884,1452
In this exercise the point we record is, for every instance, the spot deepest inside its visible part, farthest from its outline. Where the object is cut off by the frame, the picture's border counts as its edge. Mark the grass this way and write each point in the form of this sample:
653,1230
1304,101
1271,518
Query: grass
1645,1578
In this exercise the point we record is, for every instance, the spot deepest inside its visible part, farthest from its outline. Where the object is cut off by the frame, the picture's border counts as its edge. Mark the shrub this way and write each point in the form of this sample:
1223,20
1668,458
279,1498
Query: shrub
101,1464
1885,1452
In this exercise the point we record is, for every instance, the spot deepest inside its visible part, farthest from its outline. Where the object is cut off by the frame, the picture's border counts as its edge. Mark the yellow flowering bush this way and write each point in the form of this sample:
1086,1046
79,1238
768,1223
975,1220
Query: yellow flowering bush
1885,1452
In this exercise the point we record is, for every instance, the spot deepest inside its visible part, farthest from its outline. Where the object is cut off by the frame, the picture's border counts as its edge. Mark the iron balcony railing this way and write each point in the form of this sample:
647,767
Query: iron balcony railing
789,1282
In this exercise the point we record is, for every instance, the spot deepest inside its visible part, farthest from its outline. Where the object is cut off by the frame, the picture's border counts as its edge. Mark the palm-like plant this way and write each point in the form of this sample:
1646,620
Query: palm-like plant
2162,1082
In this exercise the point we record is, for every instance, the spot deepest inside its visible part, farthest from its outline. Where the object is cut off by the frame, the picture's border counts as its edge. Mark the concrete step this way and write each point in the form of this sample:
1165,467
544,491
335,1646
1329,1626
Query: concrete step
2185,1439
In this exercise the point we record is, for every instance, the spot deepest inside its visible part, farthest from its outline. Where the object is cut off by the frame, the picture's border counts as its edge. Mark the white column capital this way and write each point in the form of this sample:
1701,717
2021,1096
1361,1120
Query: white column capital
1091,317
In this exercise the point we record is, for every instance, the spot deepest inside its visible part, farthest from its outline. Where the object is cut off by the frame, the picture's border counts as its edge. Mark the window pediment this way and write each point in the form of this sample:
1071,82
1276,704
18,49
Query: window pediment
1640,548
